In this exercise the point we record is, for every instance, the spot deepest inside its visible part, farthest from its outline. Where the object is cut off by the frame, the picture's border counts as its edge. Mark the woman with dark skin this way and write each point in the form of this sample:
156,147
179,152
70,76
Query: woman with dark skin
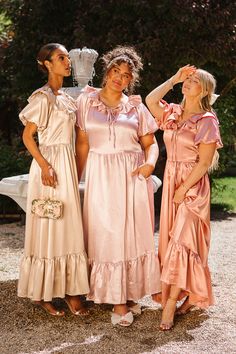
54,262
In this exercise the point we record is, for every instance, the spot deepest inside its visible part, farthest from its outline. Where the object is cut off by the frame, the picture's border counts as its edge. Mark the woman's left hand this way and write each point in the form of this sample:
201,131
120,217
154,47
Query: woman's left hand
145,170
179,195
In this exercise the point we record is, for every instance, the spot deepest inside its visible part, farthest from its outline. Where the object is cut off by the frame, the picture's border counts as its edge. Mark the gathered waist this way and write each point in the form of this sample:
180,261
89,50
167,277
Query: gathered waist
122,152
182,161
49,146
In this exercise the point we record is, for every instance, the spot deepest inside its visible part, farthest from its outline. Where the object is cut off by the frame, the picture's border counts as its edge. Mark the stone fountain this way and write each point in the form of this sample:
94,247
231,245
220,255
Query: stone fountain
82,62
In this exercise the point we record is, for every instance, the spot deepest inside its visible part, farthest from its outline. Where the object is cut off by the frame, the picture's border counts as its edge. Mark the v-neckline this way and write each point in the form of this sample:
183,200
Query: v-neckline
182,122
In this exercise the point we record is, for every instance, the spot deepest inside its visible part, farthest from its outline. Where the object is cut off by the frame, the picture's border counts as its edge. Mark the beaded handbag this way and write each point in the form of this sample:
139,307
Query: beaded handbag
47,208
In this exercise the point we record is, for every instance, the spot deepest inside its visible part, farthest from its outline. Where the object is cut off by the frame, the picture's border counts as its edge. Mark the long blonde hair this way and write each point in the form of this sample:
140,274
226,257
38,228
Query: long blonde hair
208,85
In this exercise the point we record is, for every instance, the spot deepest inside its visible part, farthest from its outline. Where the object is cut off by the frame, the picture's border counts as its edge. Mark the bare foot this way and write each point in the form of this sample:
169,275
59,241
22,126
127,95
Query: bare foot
167,318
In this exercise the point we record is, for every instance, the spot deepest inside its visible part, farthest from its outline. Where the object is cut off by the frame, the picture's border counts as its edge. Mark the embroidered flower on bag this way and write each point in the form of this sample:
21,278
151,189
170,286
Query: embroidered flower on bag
47,208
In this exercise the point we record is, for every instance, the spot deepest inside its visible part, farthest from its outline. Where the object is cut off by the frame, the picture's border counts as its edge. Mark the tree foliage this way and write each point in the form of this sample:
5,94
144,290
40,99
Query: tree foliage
168,34
34,23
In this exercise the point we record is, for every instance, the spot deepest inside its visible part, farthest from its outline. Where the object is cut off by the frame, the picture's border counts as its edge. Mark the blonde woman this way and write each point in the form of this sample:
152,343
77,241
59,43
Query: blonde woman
191,136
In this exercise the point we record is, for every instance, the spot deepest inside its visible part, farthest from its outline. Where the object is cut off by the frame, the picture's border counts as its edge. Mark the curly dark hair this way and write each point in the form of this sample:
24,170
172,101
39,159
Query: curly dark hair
123,54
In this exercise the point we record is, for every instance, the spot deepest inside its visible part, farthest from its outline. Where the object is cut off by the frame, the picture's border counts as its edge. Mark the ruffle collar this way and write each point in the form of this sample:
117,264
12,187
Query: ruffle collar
63,102
126,105
172,120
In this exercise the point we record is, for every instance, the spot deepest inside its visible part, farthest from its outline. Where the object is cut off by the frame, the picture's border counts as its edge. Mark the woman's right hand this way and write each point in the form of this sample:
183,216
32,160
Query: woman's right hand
48,175
183,73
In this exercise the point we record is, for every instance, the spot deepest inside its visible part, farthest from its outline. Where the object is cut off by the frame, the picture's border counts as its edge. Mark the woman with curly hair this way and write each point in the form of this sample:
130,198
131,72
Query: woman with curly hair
115,138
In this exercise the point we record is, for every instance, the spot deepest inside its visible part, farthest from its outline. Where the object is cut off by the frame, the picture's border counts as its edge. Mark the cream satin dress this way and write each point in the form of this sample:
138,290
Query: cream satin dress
184,238
54,261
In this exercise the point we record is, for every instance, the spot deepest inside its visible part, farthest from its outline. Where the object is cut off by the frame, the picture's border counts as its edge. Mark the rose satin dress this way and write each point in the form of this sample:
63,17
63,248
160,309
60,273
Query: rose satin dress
54,261
118,208
184,238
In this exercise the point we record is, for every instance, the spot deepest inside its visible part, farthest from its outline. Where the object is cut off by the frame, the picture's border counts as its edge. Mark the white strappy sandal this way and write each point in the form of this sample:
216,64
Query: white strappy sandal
122,320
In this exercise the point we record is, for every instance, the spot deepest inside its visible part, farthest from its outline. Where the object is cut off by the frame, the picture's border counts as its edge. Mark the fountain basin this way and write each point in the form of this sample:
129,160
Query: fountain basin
16,188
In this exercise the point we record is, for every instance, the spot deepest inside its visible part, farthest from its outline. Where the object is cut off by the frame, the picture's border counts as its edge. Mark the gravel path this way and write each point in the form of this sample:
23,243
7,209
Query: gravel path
28,330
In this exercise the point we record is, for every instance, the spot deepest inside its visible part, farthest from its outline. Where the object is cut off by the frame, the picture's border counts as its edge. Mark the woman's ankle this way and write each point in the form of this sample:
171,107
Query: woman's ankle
121,309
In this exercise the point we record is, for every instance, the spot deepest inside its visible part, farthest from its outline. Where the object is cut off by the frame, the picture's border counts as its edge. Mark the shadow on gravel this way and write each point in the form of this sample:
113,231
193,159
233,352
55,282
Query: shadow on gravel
14,242
26,329
221,215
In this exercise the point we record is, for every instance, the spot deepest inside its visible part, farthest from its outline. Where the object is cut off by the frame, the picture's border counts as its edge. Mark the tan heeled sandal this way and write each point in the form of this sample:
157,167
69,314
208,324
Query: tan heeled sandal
183,309
166,326
82,311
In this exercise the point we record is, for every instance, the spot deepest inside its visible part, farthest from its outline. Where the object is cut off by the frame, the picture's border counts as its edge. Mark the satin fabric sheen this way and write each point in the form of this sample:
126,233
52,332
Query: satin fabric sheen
54,261
184,238
118,208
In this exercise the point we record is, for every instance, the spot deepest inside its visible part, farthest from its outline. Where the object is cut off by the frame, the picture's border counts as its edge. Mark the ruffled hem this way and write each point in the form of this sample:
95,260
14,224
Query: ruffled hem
127,102
184,268
116,283
45,279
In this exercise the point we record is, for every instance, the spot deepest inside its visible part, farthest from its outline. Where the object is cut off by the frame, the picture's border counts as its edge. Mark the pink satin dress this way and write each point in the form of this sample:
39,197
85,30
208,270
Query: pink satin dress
184,238
118,208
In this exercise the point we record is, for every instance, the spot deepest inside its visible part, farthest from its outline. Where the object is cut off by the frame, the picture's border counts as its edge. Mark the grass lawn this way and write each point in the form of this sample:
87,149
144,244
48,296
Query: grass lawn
223,195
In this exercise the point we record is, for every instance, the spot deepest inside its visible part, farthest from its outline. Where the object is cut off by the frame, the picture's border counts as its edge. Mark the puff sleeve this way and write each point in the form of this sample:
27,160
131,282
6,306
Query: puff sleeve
208,131
169,116
147,123
37,111
81,103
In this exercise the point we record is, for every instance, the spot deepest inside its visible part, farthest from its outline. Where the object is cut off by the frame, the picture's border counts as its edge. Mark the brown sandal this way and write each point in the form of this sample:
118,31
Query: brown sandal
82,312
49,309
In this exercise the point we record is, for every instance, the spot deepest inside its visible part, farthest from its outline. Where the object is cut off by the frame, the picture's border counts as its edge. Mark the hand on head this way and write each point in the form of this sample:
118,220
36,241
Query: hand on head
183,73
